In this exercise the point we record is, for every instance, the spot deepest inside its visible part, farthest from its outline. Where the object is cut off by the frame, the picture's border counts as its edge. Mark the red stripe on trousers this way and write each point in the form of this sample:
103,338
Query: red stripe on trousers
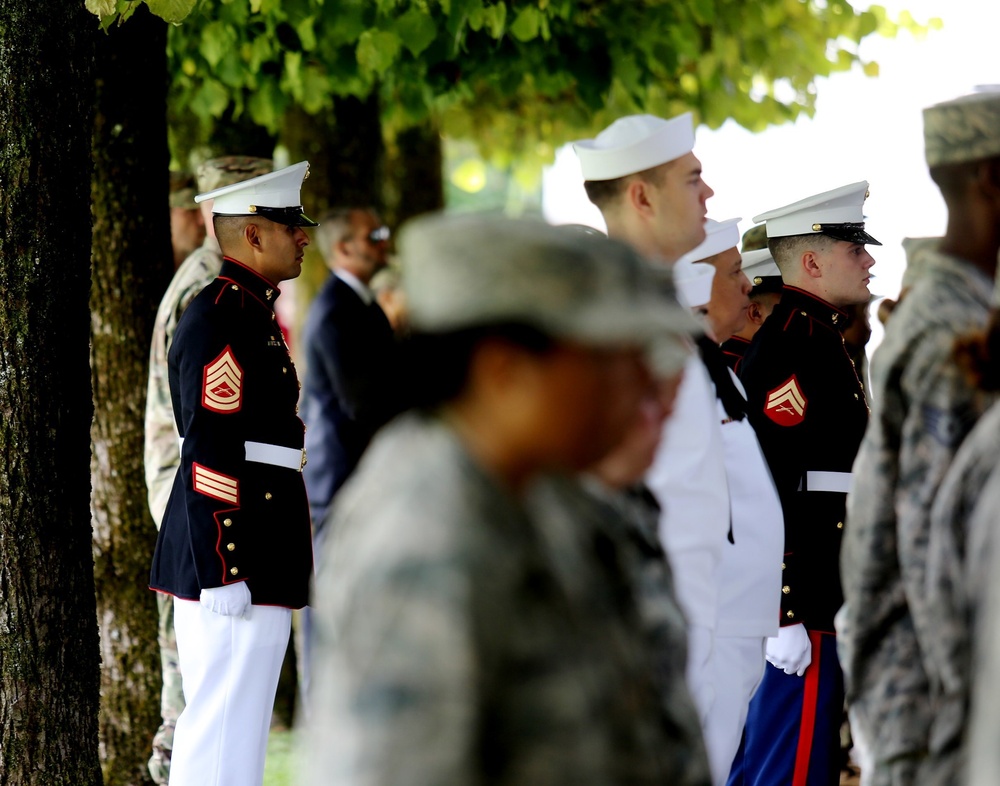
810,691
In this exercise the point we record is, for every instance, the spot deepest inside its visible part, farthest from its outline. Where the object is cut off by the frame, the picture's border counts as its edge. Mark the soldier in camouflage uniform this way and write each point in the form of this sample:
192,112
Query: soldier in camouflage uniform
162,452
450,648
923,407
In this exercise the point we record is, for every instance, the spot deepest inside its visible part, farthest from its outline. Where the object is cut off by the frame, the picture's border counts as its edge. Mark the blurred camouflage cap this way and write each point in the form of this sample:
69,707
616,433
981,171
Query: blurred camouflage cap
755,238
916,249
475,270
182,190
226,170
964,129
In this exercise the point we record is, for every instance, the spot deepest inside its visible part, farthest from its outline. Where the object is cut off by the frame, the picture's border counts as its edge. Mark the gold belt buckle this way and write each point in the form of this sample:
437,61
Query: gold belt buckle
304,461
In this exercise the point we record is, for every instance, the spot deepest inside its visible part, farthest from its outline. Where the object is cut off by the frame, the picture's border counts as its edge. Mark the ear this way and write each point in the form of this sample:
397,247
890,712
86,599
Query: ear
810,264
638,197
754,313
253,236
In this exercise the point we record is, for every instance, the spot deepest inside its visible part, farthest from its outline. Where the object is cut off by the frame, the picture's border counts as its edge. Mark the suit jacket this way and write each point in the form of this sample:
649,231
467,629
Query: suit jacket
349,390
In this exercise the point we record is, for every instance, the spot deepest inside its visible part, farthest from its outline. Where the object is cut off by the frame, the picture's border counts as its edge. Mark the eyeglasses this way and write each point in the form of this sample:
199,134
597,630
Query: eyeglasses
379,235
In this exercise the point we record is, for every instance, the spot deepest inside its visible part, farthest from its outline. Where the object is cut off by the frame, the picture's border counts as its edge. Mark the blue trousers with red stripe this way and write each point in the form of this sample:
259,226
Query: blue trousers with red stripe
792,734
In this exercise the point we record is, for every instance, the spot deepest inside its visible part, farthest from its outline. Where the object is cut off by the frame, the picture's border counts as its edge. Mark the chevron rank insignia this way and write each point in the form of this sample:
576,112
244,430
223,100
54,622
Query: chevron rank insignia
223,384
786,404
215,485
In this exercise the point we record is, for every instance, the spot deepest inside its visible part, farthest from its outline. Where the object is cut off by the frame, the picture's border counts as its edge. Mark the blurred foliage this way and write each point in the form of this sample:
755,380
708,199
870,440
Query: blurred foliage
520,77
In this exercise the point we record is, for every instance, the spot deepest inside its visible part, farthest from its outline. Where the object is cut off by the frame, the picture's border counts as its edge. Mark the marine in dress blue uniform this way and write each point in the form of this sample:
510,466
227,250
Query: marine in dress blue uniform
235,546
765,292
809,410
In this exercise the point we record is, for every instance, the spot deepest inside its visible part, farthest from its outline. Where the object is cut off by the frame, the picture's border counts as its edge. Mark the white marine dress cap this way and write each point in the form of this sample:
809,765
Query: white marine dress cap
274,196
838,213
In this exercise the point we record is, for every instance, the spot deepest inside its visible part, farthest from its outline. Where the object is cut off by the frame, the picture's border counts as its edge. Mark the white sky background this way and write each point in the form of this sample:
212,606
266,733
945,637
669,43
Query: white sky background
864,129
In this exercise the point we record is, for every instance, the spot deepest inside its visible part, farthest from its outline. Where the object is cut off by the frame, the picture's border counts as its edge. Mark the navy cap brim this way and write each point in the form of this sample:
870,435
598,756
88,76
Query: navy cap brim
851,233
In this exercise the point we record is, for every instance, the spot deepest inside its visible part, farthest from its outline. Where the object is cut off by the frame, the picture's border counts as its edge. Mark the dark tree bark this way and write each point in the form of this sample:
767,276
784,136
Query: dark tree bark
417,182
49,656
132,264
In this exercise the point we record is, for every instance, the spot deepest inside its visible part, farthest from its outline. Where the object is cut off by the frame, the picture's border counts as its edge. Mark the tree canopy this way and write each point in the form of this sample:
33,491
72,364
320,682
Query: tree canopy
520,77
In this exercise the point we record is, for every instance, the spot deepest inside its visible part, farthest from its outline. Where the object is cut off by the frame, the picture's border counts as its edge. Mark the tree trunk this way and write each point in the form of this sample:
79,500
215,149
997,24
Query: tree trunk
49,667
417,182
132,264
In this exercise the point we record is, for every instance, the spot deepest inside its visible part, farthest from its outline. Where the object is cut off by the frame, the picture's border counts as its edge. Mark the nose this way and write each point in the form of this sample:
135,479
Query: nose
709,191
745,285
301,238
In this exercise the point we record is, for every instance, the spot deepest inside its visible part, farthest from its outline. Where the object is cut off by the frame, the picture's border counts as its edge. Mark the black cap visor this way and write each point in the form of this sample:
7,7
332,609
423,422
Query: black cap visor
764,284
851,233
289,216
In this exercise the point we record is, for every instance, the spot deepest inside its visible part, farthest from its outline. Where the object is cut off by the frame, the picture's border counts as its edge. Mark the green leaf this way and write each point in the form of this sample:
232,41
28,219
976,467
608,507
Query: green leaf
210,100
527,24
101,8
307,33
173,11
377,50
416,30
215,40
496,19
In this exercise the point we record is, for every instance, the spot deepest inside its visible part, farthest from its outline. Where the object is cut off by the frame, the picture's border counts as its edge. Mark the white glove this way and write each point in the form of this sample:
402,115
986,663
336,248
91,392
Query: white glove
790,650
231,600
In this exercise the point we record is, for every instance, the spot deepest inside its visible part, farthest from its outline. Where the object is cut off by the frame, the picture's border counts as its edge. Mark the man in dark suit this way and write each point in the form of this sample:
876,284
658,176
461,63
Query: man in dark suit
350,351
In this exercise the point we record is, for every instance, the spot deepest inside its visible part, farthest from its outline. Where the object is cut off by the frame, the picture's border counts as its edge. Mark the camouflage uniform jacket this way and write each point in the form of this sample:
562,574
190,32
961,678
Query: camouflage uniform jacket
958,564
587,520
449,649
162,451
922,410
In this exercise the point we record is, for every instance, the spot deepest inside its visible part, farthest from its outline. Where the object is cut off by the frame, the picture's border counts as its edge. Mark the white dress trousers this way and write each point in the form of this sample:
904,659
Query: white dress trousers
230,669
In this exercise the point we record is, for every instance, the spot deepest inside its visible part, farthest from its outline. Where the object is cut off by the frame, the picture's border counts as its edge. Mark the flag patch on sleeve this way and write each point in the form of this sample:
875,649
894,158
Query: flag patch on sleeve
215,485
223,388
786,404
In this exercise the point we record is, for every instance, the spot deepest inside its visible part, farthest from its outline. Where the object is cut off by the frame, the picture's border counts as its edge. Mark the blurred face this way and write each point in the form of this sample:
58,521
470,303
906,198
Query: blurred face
586,400
187,230
365,251
628,461
281,250
679,200
845,273
857,333
727,309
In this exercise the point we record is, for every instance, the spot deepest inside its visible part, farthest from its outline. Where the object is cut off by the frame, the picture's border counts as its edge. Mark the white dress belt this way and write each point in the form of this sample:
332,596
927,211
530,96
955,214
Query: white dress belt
815,480
276,455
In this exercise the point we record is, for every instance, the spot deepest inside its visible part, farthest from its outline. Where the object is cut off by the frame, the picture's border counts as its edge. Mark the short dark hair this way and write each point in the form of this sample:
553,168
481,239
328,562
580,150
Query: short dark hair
788,250
229,229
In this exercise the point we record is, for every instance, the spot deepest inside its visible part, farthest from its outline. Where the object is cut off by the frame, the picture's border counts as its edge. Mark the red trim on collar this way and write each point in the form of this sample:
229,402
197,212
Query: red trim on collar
251,270
816,298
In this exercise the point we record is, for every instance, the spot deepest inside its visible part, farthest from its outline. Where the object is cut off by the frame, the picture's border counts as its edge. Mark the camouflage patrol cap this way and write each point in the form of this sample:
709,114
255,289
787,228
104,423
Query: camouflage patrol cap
472,270
916,249
226,170
755,238
964,129
182,190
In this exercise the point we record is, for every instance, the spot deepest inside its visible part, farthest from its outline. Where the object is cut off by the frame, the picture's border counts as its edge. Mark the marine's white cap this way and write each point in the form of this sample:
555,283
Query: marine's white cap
274,196
760,267
838,214
719,236
633,144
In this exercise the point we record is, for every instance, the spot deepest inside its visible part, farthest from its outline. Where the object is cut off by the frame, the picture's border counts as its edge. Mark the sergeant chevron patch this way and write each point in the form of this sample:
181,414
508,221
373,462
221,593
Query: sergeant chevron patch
215,485
786,404
223,384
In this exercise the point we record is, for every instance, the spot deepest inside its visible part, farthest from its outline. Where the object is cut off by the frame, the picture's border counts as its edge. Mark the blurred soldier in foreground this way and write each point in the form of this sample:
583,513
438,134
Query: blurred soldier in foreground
899,689
642,173
809,411
162,449
450,646
749,574
234,549
187,223
765,294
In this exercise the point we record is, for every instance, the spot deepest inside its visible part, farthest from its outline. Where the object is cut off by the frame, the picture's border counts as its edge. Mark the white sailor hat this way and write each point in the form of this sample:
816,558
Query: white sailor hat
759,266
274,196
719,236
838,214
633,144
